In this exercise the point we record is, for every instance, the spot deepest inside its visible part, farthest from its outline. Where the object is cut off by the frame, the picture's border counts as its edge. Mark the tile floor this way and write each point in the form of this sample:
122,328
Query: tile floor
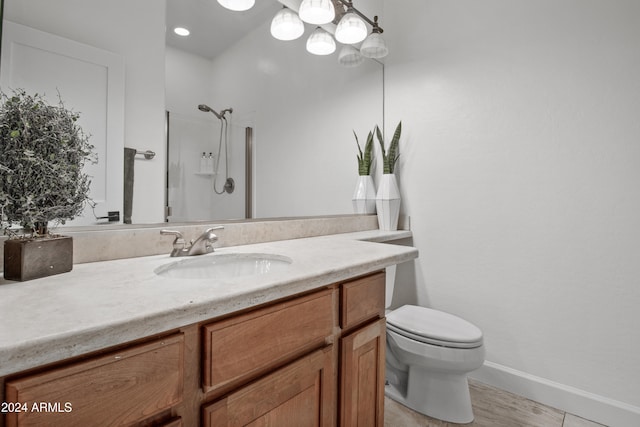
492,408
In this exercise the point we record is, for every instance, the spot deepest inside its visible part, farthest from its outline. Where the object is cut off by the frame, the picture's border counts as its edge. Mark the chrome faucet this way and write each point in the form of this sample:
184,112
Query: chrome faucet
202,245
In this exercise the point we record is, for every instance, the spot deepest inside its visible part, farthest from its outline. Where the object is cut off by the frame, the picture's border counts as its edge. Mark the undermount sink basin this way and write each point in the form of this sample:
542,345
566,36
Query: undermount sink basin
224,266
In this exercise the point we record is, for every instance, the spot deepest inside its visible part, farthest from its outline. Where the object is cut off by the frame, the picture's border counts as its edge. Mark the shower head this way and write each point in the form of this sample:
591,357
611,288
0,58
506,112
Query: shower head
207,109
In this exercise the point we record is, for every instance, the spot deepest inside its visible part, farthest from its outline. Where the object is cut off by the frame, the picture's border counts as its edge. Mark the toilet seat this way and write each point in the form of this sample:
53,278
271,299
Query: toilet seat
434,327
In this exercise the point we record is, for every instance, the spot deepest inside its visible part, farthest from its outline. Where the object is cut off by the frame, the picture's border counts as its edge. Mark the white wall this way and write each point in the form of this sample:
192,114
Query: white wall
519,169
134,30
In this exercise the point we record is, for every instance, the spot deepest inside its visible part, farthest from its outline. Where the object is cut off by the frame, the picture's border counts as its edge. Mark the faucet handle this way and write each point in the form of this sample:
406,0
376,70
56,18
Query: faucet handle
179,239
172,233
209,233
211,237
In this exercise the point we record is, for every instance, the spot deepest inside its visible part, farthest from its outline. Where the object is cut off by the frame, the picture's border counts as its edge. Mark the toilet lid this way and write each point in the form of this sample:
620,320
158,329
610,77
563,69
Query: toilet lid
434,327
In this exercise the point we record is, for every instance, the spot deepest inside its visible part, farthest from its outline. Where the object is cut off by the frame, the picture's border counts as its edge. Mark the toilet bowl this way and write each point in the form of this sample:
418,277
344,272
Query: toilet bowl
429,354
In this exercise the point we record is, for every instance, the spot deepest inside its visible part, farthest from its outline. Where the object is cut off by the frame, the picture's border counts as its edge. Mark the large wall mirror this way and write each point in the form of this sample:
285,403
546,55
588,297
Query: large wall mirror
299,110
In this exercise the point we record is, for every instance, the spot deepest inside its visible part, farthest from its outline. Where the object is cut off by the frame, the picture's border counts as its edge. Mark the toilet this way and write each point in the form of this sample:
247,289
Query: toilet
429,354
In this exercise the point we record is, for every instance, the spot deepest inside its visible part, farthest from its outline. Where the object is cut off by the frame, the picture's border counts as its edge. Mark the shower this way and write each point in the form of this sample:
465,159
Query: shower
229,185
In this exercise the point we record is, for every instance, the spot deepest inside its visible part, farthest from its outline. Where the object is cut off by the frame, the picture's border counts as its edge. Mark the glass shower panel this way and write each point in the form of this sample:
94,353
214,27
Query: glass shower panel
190,191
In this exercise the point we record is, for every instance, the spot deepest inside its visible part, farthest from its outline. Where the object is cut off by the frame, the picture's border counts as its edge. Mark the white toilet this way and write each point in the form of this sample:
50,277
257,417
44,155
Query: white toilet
429,354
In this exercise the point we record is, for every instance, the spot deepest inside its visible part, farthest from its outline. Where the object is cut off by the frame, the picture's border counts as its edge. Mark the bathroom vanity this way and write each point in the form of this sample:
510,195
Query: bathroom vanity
299,347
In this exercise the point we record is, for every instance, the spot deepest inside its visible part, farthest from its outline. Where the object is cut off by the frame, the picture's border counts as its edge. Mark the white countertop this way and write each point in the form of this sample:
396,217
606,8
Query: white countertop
101,304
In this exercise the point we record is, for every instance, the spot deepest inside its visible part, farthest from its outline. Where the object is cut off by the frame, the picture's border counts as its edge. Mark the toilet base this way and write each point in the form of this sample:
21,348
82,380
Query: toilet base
435,394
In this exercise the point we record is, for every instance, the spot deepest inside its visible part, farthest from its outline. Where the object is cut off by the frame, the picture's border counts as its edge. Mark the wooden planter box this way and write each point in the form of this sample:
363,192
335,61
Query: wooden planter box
26,259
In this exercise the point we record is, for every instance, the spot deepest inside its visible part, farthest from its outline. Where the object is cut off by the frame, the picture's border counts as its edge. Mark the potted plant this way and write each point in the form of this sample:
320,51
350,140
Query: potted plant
388,195
364,196
42,154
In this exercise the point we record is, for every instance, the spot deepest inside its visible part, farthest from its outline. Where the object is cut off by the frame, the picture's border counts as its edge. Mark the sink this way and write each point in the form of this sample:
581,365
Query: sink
224,266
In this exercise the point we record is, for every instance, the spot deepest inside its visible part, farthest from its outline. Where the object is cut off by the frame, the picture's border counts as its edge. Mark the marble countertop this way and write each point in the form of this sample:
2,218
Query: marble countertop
101,304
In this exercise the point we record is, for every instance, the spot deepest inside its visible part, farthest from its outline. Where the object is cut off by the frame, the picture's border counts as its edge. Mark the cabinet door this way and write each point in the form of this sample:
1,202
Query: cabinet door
362,377
116,389
302,394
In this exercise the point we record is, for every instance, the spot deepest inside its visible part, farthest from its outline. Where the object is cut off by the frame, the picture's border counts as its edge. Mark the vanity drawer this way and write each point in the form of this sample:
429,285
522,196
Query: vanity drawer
362,299
244,346
119,388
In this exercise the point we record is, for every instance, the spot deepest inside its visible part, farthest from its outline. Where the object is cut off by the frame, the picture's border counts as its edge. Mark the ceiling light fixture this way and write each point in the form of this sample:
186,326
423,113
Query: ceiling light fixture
286,25
321,43
350,30
317,12
237,5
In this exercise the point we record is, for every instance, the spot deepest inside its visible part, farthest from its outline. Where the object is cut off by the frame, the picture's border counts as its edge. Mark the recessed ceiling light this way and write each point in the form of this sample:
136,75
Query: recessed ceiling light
181,31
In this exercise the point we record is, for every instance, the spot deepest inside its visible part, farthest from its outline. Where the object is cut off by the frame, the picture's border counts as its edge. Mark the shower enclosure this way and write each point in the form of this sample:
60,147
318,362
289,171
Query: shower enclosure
214,188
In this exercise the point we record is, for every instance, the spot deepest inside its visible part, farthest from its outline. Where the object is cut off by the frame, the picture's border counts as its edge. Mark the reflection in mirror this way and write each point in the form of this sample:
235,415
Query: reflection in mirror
69,36
302,108
204,153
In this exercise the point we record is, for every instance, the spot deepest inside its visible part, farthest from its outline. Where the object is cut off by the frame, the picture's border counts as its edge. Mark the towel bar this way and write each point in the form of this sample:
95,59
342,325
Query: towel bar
148,155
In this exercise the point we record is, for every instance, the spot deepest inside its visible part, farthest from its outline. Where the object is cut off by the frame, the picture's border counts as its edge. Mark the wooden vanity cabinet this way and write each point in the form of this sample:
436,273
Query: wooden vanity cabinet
315,359
304,392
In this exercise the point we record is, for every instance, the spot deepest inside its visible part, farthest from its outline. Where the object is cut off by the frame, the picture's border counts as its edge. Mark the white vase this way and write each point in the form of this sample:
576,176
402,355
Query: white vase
364,196
388,202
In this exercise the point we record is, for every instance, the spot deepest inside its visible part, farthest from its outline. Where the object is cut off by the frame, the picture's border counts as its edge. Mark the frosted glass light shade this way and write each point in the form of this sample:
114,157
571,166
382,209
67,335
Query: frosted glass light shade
317,12
351,29
349,56
237,5
286,25
374,46
321,43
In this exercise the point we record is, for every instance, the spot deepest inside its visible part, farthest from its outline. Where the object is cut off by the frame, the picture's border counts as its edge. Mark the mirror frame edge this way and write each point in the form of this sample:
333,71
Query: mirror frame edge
1,21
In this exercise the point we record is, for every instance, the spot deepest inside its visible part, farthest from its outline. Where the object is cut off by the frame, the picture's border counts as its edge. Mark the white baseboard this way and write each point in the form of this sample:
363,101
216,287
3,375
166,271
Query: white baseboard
578,402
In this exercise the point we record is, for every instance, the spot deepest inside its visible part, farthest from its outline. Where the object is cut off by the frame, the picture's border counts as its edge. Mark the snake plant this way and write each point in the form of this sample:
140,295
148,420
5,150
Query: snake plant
389,158
365,158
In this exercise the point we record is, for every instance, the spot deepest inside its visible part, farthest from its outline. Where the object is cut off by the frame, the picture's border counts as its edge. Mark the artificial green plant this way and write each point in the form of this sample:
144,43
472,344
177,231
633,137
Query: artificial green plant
389,158
365,158
42,154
